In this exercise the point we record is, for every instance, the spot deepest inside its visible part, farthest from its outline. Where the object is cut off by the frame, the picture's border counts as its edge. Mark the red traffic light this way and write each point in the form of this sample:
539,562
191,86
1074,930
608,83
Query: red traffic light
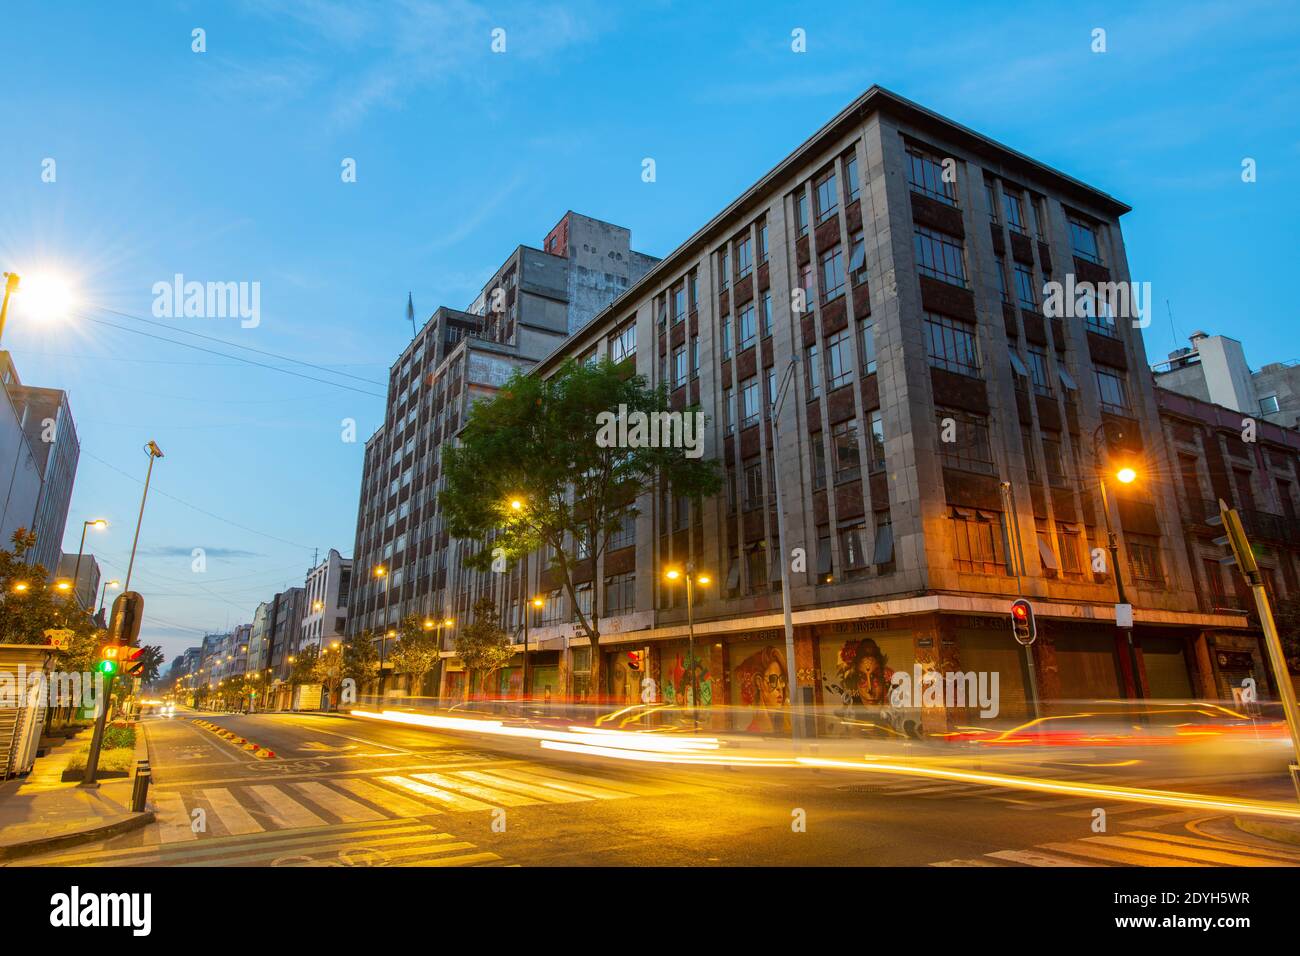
1020,612
1022,621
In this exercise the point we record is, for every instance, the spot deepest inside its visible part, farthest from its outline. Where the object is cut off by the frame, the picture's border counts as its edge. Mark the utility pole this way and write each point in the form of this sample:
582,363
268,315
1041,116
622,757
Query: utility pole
154,452
796,705
1013,534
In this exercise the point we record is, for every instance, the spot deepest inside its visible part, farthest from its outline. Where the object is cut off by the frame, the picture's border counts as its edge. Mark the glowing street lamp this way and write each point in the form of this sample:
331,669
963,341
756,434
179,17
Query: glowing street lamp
97,523
1125,475
44,295
692,579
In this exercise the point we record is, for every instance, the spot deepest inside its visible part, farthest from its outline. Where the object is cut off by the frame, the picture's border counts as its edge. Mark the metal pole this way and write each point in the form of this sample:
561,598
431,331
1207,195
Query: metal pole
1013,525
383,640
524,605
97,737
1112,541
11,284
796,705
690,640
139,518
1286,689
76,568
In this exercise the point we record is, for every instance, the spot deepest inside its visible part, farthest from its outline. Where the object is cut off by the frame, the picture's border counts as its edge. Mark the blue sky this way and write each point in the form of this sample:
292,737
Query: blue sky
225,166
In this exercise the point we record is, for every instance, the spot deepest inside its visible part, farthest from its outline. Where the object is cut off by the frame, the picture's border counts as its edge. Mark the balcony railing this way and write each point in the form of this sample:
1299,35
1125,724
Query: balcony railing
1260,525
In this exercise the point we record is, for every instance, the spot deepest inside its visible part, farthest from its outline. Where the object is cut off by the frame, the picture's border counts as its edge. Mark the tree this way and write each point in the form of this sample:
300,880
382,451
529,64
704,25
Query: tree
544,442
483,647
31,604
152,656
416,652
307,667
361,659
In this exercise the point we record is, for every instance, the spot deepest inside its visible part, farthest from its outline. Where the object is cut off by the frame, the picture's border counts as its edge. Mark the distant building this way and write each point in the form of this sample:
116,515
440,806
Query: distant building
20,469
326,613
259,637
87,572
1214,369
52,435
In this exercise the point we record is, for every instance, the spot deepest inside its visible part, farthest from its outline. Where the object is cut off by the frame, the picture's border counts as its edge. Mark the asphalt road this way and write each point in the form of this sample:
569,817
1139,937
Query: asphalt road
349,792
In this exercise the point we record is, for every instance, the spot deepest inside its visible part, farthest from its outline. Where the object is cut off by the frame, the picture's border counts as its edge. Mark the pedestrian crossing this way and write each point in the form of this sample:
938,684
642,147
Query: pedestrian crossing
189,815
1139,848
381,843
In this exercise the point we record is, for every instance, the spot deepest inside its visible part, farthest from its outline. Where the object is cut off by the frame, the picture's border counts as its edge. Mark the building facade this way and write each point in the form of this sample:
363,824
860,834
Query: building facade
47,420
87,574
1214,369
941,447
327,588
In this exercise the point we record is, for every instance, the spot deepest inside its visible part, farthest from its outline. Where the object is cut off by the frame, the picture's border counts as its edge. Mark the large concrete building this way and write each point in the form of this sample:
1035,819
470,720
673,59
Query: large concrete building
328,586
1214,369
940,450
536,299
88,576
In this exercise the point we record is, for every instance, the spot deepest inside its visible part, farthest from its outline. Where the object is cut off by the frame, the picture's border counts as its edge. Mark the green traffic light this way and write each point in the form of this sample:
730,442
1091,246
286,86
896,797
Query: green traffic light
108,667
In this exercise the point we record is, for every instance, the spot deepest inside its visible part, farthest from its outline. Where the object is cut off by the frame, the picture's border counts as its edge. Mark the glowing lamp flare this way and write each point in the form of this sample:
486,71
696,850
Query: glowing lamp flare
1126,476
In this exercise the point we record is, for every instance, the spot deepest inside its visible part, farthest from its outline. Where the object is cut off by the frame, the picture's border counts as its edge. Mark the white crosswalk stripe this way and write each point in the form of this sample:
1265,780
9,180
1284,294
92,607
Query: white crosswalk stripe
1140,848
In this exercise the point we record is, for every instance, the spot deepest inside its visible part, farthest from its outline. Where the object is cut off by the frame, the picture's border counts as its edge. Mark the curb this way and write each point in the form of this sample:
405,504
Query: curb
1270,831
134,821
232,738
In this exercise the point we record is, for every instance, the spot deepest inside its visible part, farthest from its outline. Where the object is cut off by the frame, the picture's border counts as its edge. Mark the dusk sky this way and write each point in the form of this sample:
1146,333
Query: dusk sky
225,166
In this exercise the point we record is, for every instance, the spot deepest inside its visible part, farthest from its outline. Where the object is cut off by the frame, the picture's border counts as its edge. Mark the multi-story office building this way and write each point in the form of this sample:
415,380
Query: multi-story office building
48,451
941,446
1214,369
259,637
87,574
328,585
530,306
1260,477
288,608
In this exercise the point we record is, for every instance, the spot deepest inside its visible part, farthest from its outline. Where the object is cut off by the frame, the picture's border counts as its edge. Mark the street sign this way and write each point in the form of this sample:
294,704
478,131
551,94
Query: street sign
1124,615
60,637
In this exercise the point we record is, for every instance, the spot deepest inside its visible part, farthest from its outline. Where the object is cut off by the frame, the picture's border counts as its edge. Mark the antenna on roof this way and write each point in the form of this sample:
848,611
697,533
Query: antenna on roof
410,312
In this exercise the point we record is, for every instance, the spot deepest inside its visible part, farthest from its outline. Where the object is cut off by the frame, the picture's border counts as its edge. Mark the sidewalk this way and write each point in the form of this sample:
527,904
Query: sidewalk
41,813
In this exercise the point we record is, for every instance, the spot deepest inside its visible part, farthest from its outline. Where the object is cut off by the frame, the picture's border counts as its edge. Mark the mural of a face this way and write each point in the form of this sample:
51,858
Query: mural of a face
770,686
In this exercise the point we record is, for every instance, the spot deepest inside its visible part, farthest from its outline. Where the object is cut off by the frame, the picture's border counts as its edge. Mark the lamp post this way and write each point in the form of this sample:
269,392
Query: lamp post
153,451
99,523
382,572
11,286
114,584
1125,475
675,574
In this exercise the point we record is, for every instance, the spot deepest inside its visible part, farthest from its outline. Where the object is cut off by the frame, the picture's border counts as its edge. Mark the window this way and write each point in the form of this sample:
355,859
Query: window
851,175
762,242
694,284
969,449
828,198
839,359
624,343
926,175
858,258
877,450
813,367
801,211
991,197
806,284
844,446
1025,288
825,559
1113,389
620,593
749,402
753,484
818,443
1144,558
771,387
1040,217
624,536
679,366
728,411
867,344
1268,405
1046,556
681,512
1015,213
1053,459
1083,239
852,546
756,567
767,314
725,338
745,326
695,356
832,273
951,344
1069,539
679,304
1038,373
882,555
724,271
977,541
940,256
1031,460
744,257
583,591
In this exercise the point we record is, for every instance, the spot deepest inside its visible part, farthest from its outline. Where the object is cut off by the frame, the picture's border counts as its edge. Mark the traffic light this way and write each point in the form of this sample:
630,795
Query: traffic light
1243,556
1022,621
128,613
109,659
634,660
132,661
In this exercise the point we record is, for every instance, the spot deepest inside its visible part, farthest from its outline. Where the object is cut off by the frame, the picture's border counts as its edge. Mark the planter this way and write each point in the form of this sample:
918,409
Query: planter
72,775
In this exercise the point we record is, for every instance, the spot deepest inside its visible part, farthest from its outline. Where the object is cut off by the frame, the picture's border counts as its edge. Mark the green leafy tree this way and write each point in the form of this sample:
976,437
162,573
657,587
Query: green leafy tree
416,651
31,604
483,647
361,659
307,667
536,443
152,657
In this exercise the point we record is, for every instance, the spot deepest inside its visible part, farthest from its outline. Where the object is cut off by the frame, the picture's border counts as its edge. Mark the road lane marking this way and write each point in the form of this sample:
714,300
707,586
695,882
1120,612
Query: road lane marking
1221,857
349,811
472,860
172,818
486,794
453,800
586,790
288,813
548,794
1116,855
230,812
384,797
627,786
1278,852
965,863
1033,858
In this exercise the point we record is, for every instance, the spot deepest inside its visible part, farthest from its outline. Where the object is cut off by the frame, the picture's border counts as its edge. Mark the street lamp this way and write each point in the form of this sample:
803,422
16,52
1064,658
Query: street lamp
97,523
692,579
382,572
114,584
1125,475
153,452
796,706
45,294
